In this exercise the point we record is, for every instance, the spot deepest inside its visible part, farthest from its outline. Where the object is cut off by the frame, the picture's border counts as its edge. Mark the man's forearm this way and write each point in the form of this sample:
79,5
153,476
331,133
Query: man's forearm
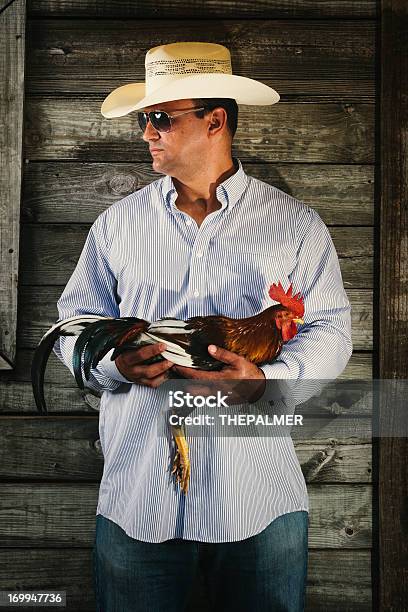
317,354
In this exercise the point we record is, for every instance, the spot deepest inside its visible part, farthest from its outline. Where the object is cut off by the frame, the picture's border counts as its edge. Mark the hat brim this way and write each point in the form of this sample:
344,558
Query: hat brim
127,98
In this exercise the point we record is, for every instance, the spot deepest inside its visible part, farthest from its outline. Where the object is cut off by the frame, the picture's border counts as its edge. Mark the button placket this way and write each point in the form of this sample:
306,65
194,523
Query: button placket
198,272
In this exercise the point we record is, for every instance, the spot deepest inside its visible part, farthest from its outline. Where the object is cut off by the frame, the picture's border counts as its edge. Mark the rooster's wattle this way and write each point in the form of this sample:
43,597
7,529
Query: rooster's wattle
258,339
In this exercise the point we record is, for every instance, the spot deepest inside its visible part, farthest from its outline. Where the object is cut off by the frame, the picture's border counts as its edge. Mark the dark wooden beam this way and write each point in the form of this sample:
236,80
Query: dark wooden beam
201,9
12,51
328,60
393,302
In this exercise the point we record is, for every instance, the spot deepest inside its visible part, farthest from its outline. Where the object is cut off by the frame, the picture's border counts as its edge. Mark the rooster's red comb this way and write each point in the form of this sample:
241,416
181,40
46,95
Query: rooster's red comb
294,302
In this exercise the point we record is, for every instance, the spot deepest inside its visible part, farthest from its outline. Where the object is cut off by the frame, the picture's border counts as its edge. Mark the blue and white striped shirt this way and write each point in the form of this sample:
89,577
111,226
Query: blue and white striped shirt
145,258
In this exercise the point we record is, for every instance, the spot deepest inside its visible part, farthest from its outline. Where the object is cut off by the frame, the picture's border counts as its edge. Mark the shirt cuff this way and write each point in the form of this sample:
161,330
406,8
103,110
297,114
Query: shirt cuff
109,368
277,370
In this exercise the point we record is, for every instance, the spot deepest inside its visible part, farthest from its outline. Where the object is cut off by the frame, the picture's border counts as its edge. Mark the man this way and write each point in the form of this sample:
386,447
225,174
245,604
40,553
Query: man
204,239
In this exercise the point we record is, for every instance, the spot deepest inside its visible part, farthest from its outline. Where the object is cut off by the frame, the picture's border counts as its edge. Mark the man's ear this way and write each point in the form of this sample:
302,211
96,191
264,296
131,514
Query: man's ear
218,121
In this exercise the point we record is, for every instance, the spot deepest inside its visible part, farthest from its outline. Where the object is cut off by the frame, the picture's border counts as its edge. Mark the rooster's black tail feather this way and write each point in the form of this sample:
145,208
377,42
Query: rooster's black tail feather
99,338
72,326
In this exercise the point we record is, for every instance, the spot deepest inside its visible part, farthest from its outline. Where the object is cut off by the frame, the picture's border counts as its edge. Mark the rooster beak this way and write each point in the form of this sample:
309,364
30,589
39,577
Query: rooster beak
300,321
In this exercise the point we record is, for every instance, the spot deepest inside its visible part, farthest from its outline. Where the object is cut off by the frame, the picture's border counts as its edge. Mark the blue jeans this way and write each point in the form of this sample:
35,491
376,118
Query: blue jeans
264,573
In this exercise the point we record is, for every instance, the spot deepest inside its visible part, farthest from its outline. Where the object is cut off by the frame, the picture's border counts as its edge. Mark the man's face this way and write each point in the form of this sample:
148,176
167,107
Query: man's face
180,150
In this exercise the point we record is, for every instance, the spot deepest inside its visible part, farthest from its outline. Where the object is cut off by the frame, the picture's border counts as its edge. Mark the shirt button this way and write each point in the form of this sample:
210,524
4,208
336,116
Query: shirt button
188,222
199,254
196,293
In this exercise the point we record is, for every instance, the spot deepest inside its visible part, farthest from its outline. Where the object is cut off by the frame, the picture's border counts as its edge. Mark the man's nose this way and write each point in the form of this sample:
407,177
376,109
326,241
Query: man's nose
150,132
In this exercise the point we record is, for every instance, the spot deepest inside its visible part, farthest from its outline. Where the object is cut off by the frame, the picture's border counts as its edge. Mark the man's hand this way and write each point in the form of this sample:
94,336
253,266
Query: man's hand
129,365
236,368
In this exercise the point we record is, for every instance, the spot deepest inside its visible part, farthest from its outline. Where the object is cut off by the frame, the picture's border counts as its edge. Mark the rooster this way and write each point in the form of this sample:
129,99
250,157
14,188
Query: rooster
258,339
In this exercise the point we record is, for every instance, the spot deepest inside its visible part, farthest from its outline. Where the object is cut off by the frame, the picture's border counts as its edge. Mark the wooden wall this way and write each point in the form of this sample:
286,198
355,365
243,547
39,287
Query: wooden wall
317,143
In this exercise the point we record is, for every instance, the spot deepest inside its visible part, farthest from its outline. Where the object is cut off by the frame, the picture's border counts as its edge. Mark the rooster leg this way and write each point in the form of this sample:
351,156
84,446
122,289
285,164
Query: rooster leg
181,462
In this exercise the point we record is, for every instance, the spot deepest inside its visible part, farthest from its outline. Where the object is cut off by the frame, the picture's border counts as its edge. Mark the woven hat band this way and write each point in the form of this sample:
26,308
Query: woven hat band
187,66
160,72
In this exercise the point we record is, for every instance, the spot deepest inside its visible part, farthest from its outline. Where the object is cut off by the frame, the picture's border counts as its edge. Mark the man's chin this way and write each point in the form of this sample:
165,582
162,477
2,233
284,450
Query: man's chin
158,167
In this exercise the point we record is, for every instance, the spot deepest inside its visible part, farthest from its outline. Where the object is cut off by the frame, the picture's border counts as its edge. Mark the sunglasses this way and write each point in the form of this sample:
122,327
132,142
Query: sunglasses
160,120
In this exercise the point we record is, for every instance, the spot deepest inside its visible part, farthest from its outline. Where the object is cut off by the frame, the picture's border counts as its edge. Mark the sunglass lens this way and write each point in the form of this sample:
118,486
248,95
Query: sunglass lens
160,121
142,119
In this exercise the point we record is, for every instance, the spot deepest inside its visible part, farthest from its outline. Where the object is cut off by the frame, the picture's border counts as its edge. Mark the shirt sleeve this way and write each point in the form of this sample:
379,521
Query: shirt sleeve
92,289
323,346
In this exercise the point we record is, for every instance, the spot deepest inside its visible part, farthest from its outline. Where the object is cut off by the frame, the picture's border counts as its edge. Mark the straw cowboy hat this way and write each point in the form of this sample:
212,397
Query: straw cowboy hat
187,70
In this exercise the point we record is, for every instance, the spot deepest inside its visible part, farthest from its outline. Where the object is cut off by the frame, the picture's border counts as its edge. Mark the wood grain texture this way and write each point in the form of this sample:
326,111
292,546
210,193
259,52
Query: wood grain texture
72,128
63,515
49,253
17,398
4,4
338,580
38,311
342,195
12,54
199,9
324,60
68,449
392,340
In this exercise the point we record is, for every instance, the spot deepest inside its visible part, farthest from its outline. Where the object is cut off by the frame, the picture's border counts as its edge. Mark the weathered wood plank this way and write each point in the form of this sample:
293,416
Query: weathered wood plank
338,580
324,462
49,253
12,55
393,303
63,396
82,57
342,195
17,398
58,375
68,449
38,311
359,367
199,9
58,128
64,515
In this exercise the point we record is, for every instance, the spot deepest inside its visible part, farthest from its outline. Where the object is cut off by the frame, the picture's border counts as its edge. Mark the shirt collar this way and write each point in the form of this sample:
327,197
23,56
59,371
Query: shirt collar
228,192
